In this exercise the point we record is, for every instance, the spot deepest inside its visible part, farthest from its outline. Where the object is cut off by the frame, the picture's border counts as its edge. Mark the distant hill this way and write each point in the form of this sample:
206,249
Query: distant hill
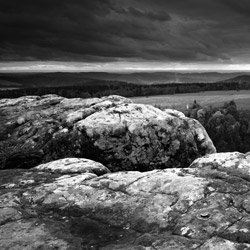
9,84
61,79
34,80
162,77
238,79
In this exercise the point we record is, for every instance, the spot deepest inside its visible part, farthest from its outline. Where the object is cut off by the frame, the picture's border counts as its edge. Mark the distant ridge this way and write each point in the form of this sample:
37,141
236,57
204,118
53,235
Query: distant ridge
59,79
237,79
35,80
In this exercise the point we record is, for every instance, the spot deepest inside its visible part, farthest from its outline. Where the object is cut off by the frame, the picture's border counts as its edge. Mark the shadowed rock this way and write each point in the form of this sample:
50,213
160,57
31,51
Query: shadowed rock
54,206
111,130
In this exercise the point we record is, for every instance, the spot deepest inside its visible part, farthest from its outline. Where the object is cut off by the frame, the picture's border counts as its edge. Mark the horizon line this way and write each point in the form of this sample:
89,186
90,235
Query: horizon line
118,67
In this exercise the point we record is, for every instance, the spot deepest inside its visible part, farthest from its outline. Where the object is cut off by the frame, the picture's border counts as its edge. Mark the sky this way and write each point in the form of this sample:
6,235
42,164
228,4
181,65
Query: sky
124,35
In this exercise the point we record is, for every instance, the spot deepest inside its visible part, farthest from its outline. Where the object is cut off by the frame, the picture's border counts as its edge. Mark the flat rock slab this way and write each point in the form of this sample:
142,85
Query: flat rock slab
111,130
203,207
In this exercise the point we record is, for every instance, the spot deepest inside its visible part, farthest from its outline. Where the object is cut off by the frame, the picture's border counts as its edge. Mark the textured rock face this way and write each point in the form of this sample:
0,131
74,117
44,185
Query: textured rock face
54,206
74,165
111,130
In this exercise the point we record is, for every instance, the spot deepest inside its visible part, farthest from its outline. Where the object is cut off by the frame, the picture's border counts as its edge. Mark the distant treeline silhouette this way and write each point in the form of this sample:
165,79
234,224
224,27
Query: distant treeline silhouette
97,89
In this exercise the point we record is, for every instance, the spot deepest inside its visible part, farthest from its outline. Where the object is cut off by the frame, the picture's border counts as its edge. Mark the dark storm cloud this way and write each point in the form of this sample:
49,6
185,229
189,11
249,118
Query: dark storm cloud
106,30
155,16
242,7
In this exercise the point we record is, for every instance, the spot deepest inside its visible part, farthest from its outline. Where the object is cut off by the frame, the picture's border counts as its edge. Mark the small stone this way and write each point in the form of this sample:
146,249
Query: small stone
127,226
211,189
20,120
184,230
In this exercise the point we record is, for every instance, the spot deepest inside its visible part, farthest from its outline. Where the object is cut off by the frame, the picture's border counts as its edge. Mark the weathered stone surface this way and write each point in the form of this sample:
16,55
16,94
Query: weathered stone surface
174,113
74,165
111,130
204,207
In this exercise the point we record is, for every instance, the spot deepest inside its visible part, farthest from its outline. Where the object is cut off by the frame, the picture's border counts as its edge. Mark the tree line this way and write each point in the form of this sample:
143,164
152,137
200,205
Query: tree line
99,89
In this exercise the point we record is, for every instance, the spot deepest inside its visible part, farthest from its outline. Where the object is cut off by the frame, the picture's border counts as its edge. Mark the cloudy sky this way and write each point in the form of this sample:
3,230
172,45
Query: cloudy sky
124,35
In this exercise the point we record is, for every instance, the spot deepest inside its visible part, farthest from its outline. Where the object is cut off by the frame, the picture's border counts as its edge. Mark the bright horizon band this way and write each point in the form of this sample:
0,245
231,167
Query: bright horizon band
119,67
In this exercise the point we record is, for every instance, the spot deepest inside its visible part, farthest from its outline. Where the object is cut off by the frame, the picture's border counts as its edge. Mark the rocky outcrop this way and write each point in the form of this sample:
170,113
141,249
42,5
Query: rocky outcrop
111,130
77,204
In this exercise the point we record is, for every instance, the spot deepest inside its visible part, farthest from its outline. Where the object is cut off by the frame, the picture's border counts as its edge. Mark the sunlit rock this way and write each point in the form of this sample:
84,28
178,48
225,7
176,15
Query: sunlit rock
76,203
111,130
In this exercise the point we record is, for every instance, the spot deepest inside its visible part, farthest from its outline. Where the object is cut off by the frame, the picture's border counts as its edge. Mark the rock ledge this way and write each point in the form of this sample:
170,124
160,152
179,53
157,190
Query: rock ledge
206,206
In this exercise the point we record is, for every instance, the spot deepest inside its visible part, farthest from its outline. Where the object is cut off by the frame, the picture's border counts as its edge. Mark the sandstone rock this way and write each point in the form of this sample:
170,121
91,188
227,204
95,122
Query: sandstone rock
111,130
51,206
222,244
174,113
74,165
232,162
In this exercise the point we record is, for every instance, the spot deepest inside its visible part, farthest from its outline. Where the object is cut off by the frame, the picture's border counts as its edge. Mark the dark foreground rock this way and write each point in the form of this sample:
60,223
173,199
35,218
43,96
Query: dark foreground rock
111,130
74,204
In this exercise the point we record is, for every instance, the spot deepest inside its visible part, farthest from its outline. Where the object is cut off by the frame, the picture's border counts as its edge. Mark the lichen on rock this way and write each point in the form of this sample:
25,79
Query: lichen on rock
64,184
111,130
77,203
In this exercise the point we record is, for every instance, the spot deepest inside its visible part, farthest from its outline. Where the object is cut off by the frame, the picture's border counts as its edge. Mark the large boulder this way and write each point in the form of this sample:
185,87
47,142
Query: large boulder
111,130
54,206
